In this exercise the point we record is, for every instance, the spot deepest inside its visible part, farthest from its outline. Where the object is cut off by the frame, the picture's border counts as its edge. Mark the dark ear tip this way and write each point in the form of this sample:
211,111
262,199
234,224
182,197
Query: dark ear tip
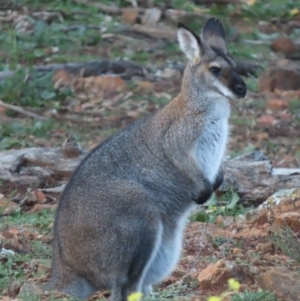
212,20
214,27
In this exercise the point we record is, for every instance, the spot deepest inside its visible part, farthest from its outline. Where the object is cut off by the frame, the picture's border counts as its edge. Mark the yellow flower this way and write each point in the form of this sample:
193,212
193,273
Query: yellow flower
233,284
294,11
135,296
215,298
251,2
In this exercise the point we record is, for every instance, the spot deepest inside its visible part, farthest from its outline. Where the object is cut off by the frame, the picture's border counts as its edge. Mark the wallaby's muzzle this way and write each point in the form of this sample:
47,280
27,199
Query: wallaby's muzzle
238,86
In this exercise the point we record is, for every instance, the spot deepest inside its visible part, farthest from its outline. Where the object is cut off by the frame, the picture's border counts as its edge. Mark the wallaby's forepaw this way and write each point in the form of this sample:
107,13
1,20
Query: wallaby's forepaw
204,194
219,179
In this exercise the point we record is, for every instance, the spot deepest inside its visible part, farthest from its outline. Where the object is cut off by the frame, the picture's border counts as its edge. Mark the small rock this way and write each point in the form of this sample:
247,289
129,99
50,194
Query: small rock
284,45
145,85
40,196
105,83
170,73
174,15
250,232
8,207
29,290
277,104
254,270
290,219
40,207
151,16
284,200
268,247
280,79
237,251
240,219
61,78
190,278
266,120
257,262
6,252
283,282
268,257
130,16
179,272
215,275
227,220
257,217
43,269
219,220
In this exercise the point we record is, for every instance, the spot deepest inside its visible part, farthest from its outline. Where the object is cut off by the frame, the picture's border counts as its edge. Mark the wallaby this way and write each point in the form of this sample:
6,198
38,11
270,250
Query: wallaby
120,220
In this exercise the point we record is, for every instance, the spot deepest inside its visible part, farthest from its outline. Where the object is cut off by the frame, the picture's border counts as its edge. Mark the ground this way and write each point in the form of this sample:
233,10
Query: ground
33,35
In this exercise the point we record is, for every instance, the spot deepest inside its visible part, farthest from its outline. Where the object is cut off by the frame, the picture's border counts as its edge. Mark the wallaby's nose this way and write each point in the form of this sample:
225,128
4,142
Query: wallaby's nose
241,89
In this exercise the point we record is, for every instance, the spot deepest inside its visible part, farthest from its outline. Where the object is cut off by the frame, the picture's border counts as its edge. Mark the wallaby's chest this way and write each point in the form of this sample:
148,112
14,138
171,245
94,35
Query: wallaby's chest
210,147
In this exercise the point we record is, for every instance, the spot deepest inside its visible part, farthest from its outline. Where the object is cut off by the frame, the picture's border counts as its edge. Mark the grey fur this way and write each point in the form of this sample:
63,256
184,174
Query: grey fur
120,220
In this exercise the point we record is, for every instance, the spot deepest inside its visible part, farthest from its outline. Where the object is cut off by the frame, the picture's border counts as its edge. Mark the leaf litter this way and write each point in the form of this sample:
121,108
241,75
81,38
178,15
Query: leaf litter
103,103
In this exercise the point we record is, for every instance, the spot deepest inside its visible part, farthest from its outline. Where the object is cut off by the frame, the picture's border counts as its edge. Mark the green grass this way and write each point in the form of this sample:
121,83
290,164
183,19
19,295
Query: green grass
286,240
176,292
14,267
254,296
226,205
36,91
261,10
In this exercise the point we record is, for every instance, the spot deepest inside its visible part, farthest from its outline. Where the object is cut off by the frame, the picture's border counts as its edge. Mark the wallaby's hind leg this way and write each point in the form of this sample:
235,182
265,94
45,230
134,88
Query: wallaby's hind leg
65,280
140,266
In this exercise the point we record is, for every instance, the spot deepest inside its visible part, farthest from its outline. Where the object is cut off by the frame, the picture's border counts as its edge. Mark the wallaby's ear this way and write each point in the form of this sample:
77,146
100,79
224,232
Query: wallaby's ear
189,43
213,33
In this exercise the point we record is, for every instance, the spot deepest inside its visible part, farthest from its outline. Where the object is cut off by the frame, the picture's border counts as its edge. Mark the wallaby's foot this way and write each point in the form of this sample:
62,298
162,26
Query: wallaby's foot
219,179
205,193
65,280
78,287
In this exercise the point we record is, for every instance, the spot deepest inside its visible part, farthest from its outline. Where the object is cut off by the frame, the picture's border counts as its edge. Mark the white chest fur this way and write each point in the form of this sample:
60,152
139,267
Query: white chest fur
210,146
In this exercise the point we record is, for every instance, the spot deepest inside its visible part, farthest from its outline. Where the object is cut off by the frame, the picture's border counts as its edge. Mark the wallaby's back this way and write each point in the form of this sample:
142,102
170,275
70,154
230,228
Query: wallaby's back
120,220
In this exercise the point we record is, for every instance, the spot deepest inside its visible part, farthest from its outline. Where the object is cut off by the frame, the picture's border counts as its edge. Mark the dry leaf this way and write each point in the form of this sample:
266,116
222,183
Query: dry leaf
130,16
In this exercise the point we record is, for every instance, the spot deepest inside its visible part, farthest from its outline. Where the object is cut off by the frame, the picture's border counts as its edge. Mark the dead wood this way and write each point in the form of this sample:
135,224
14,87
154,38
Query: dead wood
252,176
37,166
248,68
124,69
155,32
21,110
109,9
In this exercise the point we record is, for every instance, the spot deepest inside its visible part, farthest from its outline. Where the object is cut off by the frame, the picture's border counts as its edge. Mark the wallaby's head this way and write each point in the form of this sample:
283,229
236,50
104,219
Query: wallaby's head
210,70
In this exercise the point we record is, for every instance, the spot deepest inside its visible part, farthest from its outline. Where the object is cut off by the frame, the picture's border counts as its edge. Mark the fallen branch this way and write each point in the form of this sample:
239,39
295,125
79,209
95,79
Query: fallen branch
20,110
246,68
252,176
109,9
124,69
156,32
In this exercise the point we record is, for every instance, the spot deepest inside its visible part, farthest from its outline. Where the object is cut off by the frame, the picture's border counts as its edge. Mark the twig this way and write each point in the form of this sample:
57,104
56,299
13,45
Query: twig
76,27
109,9
156,32
21,110
57,189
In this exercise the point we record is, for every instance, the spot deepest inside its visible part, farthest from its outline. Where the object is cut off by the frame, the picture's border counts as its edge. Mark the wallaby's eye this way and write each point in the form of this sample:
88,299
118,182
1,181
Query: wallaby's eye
215,70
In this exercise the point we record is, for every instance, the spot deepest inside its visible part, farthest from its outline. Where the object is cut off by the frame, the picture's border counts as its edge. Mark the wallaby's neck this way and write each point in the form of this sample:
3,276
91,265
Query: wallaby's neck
177,128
